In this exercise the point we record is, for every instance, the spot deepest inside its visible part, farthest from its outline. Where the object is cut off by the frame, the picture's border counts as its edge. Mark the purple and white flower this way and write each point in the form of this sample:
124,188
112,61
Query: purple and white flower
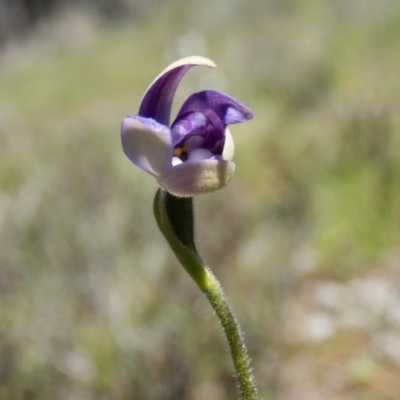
194,154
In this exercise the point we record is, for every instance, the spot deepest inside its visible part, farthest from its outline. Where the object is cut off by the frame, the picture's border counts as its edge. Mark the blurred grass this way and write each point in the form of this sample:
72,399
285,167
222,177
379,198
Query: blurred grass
94,306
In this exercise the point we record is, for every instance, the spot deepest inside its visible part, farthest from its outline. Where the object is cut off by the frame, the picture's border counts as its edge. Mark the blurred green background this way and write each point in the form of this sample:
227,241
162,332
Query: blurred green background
305,239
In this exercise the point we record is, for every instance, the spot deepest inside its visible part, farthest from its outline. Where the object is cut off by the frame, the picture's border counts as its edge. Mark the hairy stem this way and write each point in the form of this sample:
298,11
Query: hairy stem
214,293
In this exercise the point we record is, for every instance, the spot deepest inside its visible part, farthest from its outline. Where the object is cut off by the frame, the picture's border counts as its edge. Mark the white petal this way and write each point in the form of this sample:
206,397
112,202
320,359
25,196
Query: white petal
149,149
194,178
176,161
229,147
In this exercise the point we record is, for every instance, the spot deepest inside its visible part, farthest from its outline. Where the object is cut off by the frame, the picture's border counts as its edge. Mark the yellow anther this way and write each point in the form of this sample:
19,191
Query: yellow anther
178,151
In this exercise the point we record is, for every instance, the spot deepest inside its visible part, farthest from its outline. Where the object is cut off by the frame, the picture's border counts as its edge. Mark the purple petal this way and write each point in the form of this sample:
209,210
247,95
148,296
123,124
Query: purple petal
193,178
198,130
147,144
157,101
188,124
228,109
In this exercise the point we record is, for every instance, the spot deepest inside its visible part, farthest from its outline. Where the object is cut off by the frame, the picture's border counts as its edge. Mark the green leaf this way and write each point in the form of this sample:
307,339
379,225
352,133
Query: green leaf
175,218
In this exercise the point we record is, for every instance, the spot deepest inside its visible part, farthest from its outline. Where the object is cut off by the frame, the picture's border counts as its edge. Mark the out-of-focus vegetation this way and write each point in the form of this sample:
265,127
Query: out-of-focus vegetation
305,240
19,17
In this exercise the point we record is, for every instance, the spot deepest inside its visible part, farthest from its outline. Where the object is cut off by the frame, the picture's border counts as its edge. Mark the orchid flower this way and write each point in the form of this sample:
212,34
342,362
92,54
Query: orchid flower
194,154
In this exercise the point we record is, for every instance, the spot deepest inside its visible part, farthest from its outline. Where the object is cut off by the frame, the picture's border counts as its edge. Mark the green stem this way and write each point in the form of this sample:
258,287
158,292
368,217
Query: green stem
175,220
214,293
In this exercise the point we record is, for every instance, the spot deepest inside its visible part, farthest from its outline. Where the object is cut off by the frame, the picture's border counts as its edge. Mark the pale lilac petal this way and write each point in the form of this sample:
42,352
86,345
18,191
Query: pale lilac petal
198,155
228,109
193,178
147,144
157,101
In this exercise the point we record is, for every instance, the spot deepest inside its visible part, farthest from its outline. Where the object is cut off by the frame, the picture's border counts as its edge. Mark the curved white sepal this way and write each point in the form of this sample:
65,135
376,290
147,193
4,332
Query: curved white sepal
191,60
194,178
